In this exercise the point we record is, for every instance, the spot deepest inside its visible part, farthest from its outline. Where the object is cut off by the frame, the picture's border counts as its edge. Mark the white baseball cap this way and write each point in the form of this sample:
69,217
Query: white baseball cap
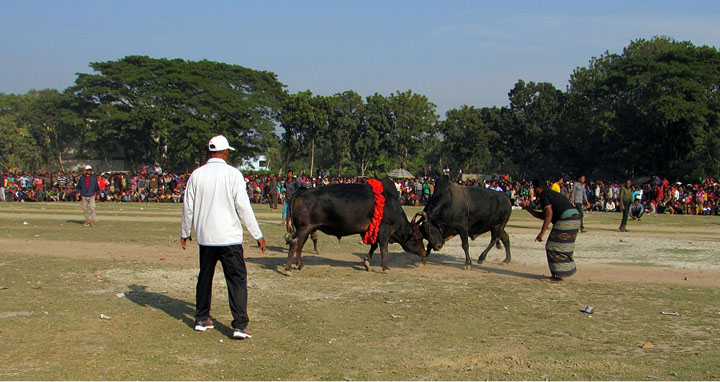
88,167
219,143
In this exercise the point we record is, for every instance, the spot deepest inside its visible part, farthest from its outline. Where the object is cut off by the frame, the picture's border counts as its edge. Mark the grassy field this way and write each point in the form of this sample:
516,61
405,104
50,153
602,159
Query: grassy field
333,320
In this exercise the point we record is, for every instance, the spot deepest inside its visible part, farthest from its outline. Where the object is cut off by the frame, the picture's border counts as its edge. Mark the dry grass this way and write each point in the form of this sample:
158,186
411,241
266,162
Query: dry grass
335,321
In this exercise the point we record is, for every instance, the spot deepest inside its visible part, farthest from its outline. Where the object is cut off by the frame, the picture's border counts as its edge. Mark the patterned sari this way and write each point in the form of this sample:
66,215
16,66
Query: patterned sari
561,244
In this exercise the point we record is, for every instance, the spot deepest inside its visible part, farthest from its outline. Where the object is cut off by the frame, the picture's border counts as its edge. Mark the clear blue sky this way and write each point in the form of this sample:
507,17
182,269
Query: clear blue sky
454,52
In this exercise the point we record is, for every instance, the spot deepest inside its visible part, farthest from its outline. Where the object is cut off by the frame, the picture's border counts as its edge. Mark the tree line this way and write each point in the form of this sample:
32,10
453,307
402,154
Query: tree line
653,109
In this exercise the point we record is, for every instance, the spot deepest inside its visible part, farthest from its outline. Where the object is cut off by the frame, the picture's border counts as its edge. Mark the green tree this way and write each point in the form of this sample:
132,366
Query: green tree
366,138
345,116
652,109
466,139
412,120
500,140
18,150
160,110
305,120
536,113
54,121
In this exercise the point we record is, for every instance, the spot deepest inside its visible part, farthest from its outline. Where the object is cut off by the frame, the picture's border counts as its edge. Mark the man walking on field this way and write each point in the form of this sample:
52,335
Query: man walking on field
625,204
579,199
216,201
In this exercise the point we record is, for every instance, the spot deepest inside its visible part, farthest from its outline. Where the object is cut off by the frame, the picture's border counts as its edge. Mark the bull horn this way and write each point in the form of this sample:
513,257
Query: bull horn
424,216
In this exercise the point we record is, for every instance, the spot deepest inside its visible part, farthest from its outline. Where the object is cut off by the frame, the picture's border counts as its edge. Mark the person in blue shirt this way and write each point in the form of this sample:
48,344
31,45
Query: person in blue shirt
89,190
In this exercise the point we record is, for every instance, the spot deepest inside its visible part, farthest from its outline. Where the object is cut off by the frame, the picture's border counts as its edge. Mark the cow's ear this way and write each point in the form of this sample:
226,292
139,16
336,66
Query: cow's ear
442,183
389,187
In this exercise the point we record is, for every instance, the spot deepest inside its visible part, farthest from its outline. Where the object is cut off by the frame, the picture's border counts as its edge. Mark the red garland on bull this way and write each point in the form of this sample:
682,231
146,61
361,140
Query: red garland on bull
370,236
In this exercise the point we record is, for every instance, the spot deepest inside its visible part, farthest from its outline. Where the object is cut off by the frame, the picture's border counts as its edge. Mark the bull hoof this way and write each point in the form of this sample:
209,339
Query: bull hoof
506,262
480,260
300,267
288,272
386,270
467,267
366,263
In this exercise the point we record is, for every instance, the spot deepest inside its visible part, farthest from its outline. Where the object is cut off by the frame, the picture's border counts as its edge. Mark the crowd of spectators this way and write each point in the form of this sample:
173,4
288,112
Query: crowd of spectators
650,194
114,187
151,185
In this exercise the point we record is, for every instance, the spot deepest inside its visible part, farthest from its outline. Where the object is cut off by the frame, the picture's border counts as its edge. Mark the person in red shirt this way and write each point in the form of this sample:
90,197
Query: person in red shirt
102,185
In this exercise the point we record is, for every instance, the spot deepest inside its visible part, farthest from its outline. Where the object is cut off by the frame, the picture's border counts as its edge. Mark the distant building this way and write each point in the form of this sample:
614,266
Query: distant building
256,163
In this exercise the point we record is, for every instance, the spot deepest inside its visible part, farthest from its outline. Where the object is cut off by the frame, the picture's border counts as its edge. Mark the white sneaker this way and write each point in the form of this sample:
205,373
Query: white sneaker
242,334
204,325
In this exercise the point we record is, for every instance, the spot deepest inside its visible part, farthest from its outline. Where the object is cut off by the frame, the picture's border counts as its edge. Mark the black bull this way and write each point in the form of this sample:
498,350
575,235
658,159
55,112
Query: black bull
468,212
346,209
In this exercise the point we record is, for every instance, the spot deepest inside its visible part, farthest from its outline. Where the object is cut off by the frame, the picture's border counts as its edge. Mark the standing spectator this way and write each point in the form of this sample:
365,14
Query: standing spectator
216,202
133,184
141,183
117,182
39,189
37,183
426,192
637,193
250,189
102,185
62,180
625,203
291,187
89,190
418,191
609,193
153,184
3,184
579,199
253,189
558,185
273,192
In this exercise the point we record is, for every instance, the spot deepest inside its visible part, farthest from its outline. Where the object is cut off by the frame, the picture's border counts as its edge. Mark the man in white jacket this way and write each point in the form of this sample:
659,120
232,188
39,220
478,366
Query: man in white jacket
215,202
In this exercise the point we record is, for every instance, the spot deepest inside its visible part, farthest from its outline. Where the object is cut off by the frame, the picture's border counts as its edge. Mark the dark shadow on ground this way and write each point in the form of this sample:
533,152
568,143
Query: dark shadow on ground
459,262
508,272
274,248
394,260
269,263
399,260
75,221
178,309
521,226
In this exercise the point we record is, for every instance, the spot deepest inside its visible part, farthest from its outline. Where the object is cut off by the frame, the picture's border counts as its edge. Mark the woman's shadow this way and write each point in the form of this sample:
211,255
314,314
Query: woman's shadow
178,309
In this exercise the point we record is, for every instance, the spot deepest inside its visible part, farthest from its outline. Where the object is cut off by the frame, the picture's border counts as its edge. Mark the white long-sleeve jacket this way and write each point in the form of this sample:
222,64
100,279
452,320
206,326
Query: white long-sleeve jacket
215,202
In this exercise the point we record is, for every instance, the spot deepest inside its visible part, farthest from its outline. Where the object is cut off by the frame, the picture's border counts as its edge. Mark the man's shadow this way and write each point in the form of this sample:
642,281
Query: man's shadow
173,307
